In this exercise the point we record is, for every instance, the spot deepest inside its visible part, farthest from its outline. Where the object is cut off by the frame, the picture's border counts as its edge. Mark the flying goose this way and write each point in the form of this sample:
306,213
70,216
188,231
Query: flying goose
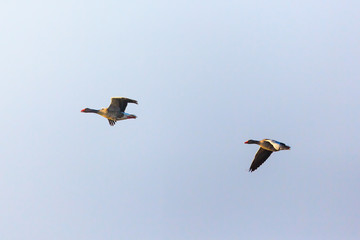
116,110
267,146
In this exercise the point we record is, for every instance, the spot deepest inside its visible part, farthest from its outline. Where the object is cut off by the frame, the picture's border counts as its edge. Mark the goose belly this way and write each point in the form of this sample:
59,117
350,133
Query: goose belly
115,116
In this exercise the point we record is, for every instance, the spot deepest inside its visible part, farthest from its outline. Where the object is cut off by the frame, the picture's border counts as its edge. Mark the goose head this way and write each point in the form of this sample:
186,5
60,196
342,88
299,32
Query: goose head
252,142
89,110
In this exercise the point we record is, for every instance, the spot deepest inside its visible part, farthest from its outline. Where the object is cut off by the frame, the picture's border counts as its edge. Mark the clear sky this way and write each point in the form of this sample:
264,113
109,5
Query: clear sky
208,76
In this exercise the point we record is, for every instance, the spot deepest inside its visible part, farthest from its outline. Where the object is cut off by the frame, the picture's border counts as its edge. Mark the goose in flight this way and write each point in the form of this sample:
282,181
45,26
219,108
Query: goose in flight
267,147
116,110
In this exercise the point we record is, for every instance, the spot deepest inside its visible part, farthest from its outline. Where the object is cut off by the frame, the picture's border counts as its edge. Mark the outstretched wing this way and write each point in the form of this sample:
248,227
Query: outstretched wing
120,103
260,158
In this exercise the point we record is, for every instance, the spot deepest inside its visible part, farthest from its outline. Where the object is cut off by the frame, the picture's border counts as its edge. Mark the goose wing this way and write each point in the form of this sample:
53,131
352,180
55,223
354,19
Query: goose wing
120,103
260,158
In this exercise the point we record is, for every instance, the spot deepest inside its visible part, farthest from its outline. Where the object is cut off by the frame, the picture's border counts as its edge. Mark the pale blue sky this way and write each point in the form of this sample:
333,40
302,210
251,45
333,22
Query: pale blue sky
208,76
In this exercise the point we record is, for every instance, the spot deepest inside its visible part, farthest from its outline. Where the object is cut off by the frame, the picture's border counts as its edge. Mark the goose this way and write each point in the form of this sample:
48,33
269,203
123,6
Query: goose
267,147
115,111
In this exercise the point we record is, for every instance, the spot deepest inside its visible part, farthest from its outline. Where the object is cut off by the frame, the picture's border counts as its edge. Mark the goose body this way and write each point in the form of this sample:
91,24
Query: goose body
267,147
115,111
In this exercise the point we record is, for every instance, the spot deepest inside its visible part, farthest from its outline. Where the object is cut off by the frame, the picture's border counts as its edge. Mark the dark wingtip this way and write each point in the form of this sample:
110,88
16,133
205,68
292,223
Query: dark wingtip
133,101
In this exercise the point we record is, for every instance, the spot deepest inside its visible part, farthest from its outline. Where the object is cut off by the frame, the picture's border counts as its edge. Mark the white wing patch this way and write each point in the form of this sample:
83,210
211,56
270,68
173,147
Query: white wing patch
274,143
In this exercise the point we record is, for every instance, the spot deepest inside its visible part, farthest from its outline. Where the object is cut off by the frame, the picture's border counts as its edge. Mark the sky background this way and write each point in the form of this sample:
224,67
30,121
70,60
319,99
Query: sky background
208,75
